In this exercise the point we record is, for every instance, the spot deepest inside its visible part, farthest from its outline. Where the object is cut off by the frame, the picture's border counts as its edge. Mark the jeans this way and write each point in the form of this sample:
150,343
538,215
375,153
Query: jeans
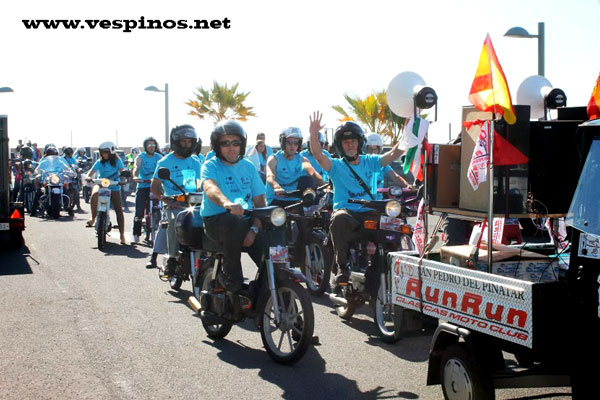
343,229
229,231
142,202
172,243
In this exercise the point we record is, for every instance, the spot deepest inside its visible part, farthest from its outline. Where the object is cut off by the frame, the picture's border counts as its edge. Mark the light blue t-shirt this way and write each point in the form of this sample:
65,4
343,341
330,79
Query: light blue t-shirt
184,172
381,179
239,182
210,154
286,174
347,187
315,163
147,167
200,158
106,170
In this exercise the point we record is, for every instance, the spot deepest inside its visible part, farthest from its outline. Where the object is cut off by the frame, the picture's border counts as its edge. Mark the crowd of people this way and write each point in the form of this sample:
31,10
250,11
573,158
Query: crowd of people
235,175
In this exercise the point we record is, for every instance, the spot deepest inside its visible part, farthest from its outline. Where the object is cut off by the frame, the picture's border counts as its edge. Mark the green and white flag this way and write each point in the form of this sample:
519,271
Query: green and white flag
412,139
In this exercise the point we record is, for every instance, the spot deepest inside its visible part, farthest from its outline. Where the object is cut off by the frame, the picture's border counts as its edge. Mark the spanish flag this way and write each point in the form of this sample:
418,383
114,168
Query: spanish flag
489,91
593,108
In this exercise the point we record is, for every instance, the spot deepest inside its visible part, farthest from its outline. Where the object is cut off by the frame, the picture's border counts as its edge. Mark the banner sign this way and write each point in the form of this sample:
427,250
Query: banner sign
492,304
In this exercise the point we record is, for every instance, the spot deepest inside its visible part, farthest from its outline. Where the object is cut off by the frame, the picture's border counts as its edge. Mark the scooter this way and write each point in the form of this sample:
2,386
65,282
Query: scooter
103,225
274,300
369,277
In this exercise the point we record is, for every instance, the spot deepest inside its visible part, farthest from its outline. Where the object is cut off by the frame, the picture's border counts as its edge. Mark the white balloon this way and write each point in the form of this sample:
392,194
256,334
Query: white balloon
401,91
532,92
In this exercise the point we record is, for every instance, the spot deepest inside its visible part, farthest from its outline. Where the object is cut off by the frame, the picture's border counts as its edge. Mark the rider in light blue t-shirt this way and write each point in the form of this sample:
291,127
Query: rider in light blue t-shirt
349,141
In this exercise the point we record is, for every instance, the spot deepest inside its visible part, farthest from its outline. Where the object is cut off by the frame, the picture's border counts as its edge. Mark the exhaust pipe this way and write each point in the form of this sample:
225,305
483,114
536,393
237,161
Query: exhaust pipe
194,303
338,301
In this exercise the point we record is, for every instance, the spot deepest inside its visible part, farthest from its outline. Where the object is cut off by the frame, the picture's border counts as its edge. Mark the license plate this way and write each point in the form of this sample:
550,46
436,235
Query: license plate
4,226
56,190
279,254
390,224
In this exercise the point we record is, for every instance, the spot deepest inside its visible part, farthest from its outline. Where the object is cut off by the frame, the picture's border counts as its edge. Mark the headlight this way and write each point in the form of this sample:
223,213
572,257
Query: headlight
278,216
195,198
395,191
54,179
392,208
105,183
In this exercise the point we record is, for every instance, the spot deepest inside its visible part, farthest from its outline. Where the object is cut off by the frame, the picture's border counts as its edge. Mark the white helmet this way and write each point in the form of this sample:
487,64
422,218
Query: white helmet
108,146
374,140
291,132
135,151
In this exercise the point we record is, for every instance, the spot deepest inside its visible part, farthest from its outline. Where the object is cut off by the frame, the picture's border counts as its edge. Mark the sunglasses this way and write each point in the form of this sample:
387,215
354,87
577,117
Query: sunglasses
151,145
228,143
293,142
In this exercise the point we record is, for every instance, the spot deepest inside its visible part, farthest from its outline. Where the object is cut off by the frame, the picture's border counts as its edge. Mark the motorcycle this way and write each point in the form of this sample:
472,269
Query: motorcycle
27,188
103,225
278,305
370,279
58,184
409,200
86,186
152,215
310,217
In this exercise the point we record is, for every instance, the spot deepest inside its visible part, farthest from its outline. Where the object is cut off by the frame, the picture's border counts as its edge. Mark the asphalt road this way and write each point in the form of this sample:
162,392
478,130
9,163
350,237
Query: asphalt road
80,323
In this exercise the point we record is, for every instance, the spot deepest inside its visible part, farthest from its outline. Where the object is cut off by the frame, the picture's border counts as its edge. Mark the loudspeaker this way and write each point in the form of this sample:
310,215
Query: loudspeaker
554,165
510,182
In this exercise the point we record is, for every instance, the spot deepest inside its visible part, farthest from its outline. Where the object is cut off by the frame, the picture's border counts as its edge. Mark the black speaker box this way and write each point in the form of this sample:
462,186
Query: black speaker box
554,165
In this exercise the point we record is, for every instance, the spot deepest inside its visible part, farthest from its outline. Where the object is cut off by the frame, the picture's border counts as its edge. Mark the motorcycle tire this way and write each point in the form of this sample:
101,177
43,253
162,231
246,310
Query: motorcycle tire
29,195
317,278
385,318
101,223
288,341
175,282
55,206
213,331
86,194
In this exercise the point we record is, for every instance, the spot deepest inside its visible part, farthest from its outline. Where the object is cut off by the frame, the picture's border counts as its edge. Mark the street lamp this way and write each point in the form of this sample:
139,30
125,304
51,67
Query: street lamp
519,32
6,90
166,91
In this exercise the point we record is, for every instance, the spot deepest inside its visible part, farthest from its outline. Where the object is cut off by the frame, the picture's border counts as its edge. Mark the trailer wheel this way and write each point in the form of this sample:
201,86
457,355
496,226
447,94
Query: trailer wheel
463,377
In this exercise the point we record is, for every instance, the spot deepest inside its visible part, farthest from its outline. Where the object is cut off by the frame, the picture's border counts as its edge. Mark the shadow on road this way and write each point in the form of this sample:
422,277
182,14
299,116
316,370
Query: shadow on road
112,247
306,379
16,262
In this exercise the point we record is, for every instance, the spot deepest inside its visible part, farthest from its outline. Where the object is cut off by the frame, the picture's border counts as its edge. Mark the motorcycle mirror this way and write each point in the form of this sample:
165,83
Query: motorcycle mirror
164,173
308,197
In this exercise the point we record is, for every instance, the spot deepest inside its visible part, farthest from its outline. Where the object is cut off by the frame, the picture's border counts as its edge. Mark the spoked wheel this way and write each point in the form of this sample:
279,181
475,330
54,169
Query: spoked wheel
101,229
287,341
388,324
218,331
318,275
463,377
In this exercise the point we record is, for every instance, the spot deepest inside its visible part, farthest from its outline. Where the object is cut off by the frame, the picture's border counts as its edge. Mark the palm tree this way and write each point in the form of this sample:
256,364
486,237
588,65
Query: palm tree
220,102
374,113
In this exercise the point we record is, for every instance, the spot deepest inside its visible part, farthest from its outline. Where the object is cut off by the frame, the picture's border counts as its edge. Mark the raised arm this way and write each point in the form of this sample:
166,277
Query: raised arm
391,155
315,145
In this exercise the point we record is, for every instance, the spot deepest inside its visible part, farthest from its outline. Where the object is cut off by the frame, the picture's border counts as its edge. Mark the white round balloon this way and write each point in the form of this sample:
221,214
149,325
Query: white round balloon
532,92
400,93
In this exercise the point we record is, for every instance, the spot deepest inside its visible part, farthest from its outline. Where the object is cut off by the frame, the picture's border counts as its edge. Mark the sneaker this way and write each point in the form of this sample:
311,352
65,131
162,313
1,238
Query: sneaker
135,239
152,263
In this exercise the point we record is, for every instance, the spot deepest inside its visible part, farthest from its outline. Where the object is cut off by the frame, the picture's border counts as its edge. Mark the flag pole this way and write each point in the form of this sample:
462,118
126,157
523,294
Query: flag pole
491,170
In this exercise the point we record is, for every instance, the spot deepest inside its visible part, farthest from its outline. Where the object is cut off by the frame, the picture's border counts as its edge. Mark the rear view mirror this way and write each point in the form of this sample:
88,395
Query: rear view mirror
164,173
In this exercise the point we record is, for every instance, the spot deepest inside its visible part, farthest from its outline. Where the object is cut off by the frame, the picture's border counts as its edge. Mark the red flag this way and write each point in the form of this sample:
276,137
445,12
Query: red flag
593,108
489,91
507,154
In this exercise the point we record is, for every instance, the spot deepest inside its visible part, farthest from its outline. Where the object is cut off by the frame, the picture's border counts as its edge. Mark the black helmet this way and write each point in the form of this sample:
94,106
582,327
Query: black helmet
349,130
51,151
26,153
68,151
151,139
229,127
183,132
49,145
291,132
198,148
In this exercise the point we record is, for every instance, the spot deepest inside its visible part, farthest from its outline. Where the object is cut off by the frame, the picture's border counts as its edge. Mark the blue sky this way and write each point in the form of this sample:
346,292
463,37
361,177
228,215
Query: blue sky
294,57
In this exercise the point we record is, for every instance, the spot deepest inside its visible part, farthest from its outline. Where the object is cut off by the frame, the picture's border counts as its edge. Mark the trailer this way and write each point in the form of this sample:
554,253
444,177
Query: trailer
517,329
12,214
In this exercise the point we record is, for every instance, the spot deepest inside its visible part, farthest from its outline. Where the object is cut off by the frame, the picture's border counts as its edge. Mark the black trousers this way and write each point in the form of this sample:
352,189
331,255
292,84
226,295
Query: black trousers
142,202
229,231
